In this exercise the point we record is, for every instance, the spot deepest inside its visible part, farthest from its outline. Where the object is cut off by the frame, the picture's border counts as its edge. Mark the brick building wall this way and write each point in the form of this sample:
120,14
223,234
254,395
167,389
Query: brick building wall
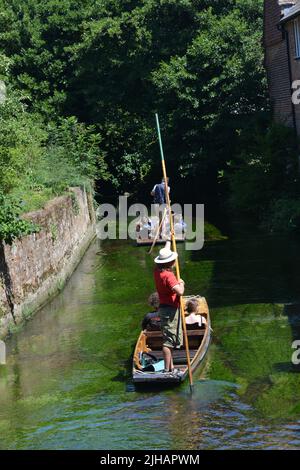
276,62
295,68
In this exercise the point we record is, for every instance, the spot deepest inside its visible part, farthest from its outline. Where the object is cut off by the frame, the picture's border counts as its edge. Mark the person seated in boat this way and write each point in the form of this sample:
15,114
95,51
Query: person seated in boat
169,291
167,227
179,225
192,317
151,321
144,228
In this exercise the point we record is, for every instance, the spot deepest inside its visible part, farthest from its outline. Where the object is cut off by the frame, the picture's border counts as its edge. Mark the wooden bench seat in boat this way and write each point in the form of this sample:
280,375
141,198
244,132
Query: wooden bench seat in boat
157,334
179,355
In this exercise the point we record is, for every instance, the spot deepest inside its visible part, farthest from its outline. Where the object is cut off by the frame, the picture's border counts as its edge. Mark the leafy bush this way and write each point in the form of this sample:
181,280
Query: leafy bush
78,146
35,157
11,225
21,142
266,170
114,63
40,161
283,215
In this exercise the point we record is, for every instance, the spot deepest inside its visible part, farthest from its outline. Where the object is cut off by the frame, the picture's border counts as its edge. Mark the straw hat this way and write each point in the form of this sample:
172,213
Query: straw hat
166,255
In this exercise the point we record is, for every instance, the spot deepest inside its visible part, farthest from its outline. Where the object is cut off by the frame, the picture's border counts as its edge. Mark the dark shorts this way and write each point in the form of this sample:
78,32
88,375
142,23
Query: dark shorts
171,327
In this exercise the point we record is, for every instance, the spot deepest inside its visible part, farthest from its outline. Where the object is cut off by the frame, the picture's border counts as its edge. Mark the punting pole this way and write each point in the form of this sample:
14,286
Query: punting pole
175,250
158,230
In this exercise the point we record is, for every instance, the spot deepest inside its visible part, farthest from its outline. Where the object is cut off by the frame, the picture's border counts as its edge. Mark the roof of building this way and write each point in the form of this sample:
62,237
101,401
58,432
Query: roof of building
290,13
286,2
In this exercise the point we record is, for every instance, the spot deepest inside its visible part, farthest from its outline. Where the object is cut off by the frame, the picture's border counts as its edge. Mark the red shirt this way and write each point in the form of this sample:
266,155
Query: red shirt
165,281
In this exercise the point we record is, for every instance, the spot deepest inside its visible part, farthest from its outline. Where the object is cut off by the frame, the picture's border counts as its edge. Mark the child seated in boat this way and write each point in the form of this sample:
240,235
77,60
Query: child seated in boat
151,321
192,317
179,224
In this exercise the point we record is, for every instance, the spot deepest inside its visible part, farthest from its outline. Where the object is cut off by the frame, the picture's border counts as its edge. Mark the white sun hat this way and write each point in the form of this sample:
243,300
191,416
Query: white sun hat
166,255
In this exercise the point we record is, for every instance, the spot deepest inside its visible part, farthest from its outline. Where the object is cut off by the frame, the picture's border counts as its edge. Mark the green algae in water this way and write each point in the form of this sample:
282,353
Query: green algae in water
256,342
68,373
211,232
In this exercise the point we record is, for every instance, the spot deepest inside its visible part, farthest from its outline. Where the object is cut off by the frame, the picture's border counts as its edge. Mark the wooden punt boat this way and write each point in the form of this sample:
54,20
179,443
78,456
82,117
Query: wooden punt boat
145,236
160,241
149,344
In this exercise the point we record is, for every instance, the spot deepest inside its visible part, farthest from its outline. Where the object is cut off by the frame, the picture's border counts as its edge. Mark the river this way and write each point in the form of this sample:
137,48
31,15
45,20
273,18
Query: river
67,384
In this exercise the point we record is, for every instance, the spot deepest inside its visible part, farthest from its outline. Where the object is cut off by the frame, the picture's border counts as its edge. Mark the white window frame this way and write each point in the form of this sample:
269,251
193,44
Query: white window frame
297,37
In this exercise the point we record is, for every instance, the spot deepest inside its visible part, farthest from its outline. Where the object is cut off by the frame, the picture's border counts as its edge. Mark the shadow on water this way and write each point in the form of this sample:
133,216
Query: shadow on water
254,294
125,372
254,269
292,311
153,387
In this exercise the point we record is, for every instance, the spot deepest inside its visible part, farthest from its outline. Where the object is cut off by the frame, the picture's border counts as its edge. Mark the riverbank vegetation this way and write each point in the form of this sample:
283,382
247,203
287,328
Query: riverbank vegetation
84,80
263,181
40,160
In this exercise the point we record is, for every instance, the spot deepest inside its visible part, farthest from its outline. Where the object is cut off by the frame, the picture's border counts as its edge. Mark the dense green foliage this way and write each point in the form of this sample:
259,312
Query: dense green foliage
40,160
11,225
113,63
264,179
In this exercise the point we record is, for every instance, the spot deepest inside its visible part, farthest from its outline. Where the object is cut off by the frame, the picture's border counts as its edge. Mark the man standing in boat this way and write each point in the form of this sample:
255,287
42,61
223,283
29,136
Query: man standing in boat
169,290
159,195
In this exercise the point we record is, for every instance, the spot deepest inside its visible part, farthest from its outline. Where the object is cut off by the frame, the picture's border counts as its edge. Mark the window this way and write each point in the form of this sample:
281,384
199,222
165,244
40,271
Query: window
297,37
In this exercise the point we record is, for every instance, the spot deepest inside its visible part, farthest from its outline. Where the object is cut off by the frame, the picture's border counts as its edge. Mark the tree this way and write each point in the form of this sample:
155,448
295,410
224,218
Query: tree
114,63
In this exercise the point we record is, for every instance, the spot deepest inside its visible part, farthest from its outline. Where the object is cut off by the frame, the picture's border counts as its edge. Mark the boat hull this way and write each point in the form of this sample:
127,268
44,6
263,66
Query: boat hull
149,241
196,355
